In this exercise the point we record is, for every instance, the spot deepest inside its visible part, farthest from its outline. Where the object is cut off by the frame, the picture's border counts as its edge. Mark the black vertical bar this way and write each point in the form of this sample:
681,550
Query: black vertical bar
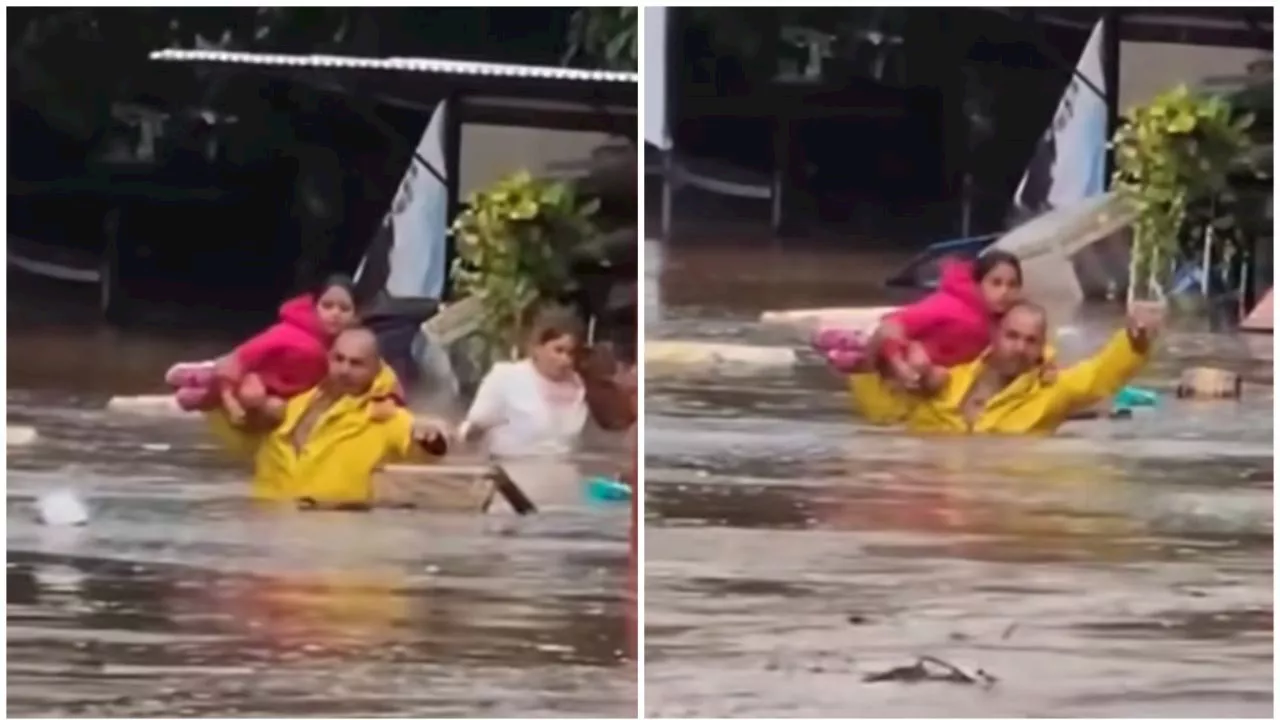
452,175
673,46
1111,81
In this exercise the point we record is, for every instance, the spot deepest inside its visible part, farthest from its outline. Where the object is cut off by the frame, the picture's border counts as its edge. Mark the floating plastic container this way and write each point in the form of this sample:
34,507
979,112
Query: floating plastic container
1131,397
607,490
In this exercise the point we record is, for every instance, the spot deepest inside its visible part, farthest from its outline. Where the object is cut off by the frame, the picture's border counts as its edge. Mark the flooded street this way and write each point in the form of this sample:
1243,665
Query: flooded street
181,598
1118,569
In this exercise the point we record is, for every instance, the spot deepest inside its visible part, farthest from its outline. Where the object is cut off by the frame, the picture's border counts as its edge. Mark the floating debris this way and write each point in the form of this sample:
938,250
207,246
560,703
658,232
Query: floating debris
929,668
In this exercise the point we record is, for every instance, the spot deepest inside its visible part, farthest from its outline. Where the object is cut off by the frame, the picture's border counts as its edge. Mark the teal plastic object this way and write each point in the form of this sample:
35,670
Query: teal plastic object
601,489
1131,397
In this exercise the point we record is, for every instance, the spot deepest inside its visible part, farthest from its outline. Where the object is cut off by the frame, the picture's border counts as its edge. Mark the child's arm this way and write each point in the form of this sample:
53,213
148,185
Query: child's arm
893,339
248,358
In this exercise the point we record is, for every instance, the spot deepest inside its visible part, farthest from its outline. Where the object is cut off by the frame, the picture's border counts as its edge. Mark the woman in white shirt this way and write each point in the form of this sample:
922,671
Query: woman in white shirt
535,407
530,414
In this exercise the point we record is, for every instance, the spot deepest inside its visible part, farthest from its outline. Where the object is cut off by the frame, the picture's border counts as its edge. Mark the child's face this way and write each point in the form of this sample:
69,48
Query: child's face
1001,288
554,358
336,310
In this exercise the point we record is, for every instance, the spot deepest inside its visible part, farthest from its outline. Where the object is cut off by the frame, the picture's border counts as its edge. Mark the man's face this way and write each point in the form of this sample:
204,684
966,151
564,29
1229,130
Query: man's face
353,362
1019,342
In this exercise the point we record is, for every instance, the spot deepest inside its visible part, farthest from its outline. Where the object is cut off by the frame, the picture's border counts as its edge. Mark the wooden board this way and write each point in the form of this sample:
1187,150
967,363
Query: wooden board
448,488
438,488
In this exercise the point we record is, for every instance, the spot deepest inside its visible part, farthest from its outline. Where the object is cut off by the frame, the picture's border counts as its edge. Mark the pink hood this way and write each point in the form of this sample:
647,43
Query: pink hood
300,312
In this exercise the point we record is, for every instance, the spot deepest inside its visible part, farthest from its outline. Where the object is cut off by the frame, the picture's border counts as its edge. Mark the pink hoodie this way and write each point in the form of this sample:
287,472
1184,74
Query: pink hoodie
953,323
291,356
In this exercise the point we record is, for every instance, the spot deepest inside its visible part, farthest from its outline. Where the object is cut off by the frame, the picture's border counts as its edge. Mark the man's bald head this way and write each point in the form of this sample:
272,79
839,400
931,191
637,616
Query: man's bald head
1027,314
359,340
1020,338
354,360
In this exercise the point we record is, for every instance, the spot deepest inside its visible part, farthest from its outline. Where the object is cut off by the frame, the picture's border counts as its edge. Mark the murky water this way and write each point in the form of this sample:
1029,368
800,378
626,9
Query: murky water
182,598
1118,569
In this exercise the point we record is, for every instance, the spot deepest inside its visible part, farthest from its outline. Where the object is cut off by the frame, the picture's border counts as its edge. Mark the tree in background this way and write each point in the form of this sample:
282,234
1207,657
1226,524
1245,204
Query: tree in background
604,37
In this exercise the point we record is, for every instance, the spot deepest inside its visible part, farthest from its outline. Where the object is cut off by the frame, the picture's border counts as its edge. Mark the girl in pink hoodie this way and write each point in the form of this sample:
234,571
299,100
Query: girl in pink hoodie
949,327
255,380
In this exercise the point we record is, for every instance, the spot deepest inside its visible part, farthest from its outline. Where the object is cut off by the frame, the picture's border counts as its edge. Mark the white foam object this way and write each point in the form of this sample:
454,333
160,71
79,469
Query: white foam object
680,352
847,318
20,435
146,405
62,508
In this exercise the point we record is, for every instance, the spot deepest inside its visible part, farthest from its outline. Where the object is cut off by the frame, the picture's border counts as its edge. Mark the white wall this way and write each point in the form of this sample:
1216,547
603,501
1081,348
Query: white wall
491,152
1147,69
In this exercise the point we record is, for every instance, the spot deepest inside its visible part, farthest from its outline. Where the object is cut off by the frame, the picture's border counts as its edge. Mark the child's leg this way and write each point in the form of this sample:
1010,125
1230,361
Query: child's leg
191,374
197,399
844,350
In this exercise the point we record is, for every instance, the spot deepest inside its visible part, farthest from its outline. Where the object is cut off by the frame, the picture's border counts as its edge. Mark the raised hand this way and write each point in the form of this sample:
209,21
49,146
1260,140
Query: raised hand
1144,323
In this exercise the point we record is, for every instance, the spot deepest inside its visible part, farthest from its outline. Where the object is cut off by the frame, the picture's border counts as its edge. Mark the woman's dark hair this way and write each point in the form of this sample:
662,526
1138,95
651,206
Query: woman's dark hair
992,259
339,281
550,324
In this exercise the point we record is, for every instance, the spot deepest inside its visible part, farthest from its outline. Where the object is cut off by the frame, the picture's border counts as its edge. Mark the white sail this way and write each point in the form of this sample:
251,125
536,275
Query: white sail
408,258
1069,164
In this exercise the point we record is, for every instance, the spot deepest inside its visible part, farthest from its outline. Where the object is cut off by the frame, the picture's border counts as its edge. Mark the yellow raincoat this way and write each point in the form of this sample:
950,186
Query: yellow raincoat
337,463
1027,405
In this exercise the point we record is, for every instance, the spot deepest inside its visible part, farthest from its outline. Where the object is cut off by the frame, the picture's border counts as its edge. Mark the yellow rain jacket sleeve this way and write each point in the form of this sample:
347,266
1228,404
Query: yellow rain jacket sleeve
1027,405
337,463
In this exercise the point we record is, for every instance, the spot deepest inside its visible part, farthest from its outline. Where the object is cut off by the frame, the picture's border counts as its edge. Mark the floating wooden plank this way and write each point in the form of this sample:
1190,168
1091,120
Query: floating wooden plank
1210,383
455,321
448,488
706,354
439,488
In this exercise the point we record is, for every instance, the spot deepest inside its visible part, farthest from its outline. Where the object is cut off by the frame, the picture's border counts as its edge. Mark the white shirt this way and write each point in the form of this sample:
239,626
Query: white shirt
520,420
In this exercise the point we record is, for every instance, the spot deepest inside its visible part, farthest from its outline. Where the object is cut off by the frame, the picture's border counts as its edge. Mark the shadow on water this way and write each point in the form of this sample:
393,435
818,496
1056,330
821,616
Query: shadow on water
182,598
1118,569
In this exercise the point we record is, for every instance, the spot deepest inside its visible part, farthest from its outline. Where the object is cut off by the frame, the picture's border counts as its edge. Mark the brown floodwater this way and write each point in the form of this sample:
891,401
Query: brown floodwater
1117,569
180,598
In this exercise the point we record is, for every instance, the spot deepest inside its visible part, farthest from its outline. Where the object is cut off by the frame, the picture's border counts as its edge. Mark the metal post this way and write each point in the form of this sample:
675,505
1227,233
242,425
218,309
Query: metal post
1111,81
452,179
668,189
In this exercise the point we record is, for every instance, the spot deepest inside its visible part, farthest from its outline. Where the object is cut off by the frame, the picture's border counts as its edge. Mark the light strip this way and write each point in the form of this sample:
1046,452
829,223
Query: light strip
426,65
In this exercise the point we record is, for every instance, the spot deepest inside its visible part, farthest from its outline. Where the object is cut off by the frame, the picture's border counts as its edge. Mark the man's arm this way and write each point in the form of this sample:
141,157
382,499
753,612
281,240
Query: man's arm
410,438
234,437
1103,375
877,401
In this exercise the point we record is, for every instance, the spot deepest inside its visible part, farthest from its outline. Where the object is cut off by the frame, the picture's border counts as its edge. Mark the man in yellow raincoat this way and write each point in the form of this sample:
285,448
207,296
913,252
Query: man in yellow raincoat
325,451
1002,391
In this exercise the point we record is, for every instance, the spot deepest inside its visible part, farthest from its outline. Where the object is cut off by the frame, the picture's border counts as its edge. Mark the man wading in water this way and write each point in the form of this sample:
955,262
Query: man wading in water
1003,390
325,451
